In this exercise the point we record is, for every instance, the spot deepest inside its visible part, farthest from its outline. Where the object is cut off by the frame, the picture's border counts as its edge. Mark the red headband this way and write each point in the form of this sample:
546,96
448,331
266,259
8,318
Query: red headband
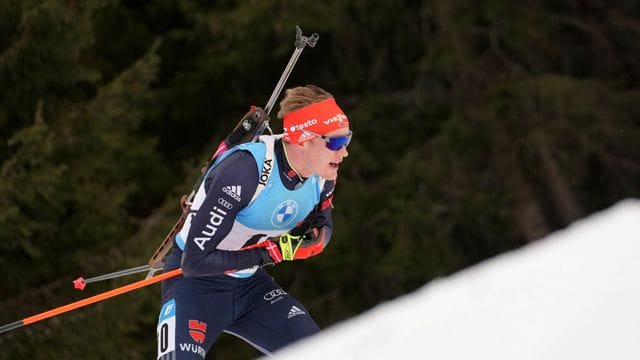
321,118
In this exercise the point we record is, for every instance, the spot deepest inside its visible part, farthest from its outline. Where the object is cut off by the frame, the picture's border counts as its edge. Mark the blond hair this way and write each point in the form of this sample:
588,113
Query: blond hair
301,96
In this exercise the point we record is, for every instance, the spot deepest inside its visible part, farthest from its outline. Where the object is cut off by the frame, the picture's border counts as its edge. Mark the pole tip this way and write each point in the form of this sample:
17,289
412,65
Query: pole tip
79,283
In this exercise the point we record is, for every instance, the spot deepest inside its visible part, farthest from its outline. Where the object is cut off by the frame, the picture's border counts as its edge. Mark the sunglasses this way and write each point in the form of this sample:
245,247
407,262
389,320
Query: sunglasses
333,143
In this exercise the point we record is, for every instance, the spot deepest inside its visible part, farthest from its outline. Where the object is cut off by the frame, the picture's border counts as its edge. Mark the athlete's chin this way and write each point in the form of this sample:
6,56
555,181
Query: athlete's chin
330,173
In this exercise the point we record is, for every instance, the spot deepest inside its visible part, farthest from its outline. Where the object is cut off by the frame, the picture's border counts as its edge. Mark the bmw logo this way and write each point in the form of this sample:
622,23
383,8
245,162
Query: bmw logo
284,213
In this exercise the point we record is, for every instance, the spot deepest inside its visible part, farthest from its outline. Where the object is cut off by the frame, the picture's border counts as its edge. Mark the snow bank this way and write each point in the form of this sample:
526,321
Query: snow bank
573,295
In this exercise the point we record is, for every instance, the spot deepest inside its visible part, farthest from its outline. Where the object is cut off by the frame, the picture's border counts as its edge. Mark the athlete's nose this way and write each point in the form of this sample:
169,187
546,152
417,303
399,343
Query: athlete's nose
343,152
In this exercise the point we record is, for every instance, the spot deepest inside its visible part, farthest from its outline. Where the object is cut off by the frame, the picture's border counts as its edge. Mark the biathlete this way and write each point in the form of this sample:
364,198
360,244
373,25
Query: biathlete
260,203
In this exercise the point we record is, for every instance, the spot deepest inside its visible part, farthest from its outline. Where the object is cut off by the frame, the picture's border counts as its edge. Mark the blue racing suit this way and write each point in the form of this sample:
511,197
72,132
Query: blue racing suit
248,196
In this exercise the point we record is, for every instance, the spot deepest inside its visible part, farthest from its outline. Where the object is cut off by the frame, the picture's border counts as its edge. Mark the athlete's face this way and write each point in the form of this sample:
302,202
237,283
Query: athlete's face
323,161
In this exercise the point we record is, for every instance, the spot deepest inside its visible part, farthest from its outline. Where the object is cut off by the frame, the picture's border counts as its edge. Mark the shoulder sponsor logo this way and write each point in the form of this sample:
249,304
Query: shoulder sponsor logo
217,216
225,203
234,191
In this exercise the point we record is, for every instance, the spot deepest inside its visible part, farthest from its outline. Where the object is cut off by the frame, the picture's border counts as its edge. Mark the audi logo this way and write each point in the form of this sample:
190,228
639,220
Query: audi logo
225,203
273,294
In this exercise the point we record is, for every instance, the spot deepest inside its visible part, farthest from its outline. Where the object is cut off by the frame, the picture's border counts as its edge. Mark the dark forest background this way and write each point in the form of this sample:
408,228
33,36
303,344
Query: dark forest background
480,126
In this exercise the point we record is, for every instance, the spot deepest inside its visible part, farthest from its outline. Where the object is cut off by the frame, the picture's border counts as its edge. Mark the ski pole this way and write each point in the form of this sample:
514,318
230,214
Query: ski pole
80,283
88,301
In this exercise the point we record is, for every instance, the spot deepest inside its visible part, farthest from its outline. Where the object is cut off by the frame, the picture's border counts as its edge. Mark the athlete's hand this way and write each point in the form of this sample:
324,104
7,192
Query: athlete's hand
289,245
314,222
270,254
280,249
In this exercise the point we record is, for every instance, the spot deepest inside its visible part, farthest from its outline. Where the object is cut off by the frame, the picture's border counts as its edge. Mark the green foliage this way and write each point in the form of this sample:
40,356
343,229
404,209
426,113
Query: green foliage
478,127
62,189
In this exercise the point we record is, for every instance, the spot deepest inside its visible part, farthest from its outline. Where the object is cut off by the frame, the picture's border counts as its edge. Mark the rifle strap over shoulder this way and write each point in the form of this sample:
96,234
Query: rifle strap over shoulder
267,163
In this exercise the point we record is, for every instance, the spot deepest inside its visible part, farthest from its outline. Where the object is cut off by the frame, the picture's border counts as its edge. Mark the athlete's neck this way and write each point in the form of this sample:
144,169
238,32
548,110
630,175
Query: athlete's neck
293,156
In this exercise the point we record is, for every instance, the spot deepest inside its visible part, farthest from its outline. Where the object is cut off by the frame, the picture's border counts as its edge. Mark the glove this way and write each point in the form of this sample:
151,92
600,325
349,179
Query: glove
313,235
284,249
289,245
309,225
271,254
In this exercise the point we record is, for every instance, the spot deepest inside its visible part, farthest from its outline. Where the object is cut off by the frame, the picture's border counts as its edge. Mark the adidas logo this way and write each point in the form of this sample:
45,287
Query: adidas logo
295,311
234,191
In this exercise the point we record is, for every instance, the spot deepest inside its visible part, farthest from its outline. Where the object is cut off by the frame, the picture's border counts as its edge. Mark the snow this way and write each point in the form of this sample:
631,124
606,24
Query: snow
573,295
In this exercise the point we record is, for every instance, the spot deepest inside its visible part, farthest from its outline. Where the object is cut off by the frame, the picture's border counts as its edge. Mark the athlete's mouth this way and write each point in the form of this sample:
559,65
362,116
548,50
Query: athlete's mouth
334,165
